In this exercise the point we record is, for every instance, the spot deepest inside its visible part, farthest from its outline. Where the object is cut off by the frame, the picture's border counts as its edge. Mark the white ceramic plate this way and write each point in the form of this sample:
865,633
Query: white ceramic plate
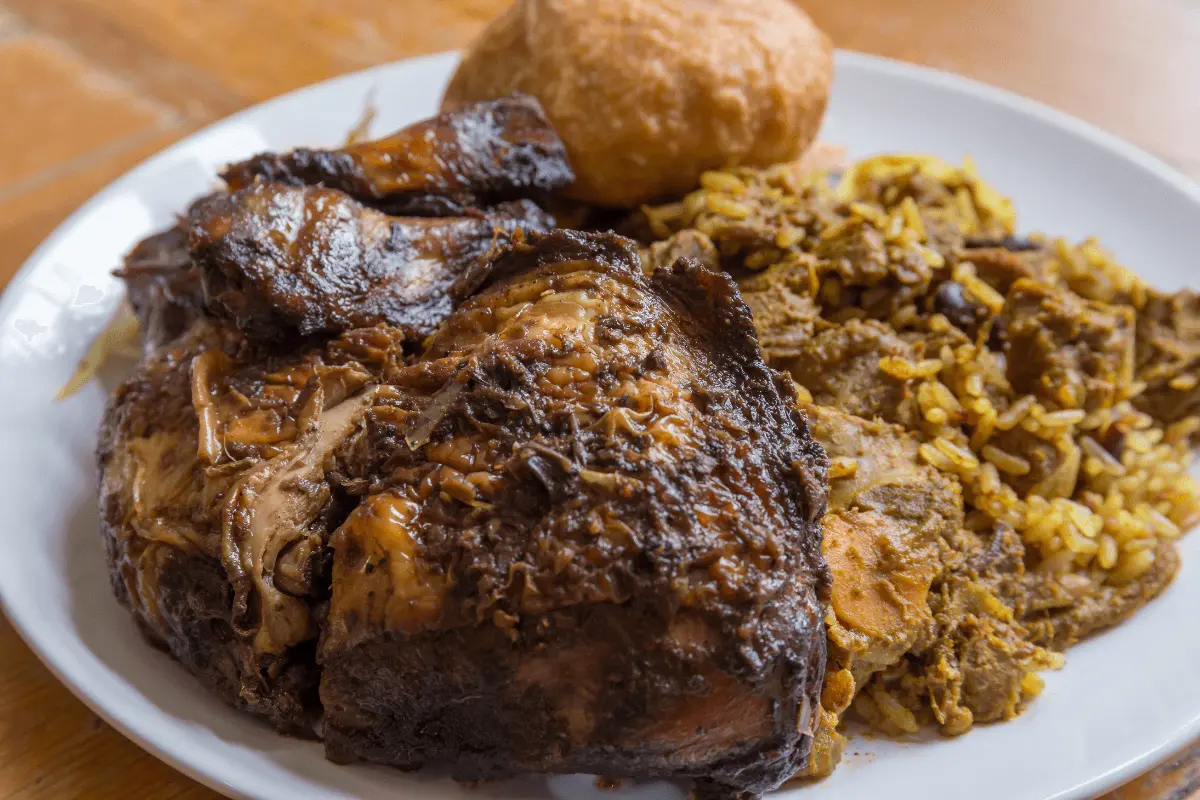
1125,698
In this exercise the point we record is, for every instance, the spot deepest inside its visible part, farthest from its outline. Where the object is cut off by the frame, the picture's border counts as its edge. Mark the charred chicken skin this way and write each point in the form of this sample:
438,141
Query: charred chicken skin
283,261
306,242
471,157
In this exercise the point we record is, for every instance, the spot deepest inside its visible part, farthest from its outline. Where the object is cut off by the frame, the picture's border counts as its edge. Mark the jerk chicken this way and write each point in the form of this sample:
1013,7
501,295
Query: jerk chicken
283,261
306,241
598,519
446,490
468,158
216,503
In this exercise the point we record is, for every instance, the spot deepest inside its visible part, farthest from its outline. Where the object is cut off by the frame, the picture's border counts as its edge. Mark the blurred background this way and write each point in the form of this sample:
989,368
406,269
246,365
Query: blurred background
88,88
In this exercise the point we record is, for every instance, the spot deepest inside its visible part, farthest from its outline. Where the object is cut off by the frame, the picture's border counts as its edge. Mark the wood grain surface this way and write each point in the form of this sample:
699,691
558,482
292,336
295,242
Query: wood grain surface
88,88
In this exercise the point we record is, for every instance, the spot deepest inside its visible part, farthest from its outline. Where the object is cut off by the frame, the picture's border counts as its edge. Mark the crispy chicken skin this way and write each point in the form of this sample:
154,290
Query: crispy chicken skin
595,542
474,156
284,257
284,261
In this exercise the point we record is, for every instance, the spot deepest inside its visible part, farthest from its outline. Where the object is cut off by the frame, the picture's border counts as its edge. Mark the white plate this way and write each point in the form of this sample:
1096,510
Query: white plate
1125,698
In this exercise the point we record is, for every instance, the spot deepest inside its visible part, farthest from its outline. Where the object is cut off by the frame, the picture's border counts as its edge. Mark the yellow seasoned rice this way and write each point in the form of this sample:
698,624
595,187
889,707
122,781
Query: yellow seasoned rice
958,389
1094,517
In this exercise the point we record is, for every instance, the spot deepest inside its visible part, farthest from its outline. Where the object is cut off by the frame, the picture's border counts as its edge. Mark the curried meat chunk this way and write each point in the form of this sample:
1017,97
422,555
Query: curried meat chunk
1068,352
283,261
690,244
1168,355
911,585
785,314
887,521
982,658
594,545
471,157
887,518
858,253
1002,263
1060,616
840,368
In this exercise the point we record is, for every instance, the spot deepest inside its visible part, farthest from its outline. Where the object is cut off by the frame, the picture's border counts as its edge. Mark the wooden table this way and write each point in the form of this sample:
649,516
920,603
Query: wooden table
88,88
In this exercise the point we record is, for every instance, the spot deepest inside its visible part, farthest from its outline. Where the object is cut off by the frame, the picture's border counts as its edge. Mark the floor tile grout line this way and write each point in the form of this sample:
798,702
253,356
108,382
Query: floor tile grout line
89,159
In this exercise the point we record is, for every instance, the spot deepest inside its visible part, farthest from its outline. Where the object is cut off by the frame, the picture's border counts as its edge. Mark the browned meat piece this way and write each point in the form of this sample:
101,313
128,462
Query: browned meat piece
886,476
1002,263
163,286
1062,615
981,654
1053,467
992,661
685,244
785,314
1068,352
1168,355
216,498
473,156
910,583
595,544
887,518
284,260
887,522
840,368
857,253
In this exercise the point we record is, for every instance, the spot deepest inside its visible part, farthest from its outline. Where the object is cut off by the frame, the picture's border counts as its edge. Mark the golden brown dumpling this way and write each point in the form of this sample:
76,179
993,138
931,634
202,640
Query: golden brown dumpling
647,94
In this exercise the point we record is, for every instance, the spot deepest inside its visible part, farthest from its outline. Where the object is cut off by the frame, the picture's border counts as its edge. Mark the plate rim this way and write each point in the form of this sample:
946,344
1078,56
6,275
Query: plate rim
129,725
